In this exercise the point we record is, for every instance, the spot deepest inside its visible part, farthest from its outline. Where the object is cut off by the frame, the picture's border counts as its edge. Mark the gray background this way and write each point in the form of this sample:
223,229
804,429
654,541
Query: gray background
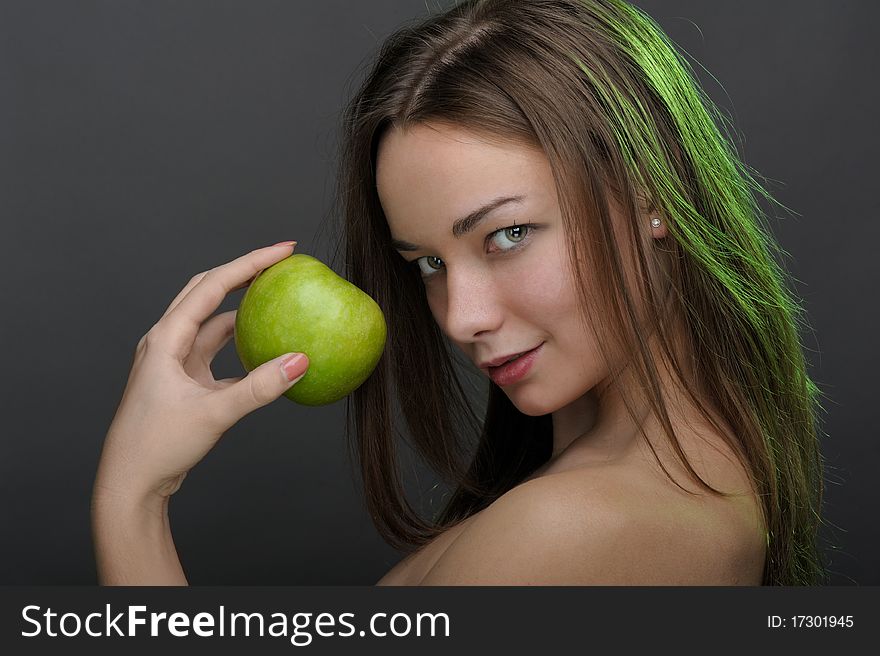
142,142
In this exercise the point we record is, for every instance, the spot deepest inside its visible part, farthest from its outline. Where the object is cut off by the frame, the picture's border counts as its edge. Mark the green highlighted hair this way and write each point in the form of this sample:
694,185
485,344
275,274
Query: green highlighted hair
601,90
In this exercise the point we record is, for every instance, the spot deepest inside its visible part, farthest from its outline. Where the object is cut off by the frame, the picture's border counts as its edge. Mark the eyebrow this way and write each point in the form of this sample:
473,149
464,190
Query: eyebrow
465,224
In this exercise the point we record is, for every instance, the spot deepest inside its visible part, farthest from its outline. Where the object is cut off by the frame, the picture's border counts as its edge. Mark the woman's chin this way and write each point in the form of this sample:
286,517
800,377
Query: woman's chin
530,407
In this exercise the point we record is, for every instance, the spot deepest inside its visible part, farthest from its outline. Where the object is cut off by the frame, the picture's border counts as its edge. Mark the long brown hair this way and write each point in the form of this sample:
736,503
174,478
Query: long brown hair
601,90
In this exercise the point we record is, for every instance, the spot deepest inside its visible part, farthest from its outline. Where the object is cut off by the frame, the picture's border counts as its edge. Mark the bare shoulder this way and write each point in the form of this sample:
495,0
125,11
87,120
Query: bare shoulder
526,537
596,526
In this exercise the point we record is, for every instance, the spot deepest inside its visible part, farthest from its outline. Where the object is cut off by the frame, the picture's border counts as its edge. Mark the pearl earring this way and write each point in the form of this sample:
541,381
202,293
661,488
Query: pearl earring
655,222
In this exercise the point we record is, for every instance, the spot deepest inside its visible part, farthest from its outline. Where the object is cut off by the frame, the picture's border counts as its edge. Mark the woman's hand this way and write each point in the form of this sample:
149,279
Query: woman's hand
172,410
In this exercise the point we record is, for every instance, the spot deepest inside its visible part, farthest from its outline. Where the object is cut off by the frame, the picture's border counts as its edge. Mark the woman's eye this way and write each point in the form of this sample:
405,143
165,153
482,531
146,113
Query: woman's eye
432,264
513,234
516,235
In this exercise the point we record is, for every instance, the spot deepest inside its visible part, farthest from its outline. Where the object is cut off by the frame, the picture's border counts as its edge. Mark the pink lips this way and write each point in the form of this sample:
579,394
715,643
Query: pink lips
515,370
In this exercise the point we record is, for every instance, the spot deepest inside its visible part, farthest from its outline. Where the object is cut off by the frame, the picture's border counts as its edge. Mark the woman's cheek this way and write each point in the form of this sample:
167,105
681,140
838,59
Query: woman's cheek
541,277
436,302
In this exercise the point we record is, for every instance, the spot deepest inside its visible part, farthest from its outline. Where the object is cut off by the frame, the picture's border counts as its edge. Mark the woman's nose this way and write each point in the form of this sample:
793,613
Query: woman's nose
473,304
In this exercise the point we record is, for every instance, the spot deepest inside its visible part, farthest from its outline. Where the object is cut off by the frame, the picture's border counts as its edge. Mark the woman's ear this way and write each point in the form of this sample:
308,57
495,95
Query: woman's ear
651,214
658,227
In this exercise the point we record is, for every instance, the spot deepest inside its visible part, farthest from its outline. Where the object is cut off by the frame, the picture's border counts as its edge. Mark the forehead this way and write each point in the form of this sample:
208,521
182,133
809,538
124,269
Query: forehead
440,172
446,151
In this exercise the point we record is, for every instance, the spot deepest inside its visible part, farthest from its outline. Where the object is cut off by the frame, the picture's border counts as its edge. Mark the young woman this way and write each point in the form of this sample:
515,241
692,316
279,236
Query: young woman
542,182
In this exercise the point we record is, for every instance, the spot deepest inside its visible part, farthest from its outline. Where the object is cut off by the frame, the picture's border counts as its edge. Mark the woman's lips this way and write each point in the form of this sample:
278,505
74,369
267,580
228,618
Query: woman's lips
515,370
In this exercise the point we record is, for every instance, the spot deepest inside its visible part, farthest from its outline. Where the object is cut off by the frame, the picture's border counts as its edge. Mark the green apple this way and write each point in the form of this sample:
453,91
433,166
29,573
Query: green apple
301,305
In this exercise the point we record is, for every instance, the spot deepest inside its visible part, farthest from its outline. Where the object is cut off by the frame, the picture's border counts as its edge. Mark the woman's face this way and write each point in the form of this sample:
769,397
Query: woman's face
494,291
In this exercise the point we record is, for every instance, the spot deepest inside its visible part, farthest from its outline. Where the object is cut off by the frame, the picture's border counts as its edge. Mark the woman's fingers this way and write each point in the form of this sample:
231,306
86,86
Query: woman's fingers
260,387
183,292
194,281
180,325
213,336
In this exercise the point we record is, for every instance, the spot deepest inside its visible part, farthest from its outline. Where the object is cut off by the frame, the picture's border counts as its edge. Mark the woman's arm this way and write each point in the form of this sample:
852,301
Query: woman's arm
133,542
171,415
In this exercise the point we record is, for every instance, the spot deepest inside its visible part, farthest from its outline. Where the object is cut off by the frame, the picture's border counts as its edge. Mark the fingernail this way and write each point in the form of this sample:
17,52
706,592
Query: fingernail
294,365
283,243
